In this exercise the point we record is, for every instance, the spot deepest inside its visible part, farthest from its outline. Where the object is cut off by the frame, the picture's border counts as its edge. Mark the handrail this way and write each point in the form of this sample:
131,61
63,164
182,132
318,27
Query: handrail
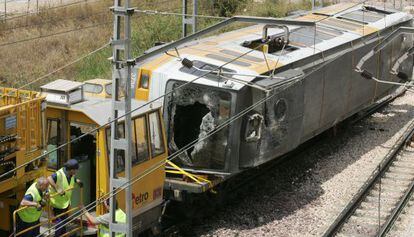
195,178
50,219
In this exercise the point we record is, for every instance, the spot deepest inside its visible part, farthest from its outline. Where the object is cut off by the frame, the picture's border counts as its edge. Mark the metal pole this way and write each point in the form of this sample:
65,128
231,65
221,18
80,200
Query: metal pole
121,85
184,20
313,4
189,20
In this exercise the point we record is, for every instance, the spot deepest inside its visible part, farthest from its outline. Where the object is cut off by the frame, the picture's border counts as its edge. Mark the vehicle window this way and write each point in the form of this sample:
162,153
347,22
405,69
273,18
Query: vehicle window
144,81
52,143
157,141
140,139
92,88
108,89
254,127
120,156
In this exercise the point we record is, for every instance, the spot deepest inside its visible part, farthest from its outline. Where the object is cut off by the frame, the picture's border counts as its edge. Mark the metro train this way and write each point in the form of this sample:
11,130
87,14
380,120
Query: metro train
306,72
276,83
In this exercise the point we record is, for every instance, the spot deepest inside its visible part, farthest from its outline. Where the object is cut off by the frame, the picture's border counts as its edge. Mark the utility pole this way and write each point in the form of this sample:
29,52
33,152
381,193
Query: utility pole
189,20
121,85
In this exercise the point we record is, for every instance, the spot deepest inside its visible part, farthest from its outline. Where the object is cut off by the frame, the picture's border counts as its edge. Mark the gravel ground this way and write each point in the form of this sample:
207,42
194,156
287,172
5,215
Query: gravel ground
302,196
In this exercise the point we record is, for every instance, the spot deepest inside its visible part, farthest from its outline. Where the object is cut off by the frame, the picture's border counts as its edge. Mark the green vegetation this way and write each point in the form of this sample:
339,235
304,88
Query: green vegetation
26,61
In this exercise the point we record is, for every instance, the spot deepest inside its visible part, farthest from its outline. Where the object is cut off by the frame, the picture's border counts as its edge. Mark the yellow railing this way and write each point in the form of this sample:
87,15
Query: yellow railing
50,219
195,178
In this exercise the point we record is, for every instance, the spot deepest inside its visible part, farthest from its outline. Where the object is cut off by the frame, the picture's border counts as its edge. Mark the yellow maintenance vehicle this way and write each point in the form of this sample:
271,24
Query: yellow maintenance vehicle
68,112
21,140
71,113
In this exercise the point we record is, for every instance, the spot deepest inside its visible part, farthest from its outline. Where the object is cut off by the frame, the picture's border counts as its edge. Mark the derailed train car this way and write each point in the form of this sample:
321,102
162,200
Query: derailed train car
305,73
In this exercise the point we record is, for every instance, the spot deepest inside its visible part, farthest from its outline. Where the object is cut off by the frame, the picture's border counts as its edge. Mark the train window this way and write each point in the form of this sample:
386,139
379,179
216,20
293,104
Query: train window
52,142
92,88
254,127
157,141
108,89
140,139
144,80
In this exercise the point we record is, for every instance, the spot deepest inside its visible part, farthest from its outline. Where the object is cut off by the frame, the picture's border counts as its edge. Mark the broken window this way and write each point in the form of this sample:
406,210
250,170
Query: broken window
254,127
194,112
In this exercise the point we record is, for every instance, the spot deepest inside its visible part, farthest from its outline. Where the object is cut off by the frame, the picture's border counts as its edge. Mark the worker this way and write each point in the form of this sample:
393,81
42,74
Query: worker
103,221
33,200
62,183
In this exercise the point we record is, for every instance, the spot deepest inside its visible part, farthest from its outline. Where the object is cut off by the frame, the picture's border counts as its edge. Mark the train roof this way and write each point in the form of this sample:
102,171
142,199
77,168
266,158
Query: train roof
335,25
99,109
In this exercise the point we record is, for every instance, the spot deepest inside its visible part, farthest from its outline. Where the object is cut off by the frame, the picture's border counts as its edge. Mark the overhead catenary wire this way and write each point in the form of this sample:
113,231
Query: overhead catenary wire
54,21
55,34
52,8
65,66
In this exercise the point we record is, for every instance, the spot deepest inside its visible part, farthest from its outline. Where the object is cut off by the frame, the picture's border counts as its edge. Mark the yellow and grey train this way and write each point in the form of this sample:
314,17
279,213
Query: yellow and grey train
304,66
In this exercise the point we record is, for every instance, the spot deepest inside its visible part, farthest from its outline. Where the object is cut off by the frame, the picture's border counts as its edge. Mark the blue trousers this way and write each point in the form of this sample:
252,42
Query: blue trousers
21,225
60,221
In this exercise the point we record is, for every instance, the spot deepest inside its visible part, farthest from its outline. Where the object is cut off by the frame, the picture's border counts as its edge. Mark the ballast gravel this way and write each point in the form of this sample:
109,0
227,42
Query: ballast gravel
303,195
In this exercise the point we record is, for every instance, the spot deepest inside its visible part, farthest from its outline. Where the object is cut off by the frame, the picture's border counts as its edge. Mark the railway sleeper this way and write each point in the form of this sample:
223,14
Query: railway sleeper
388,181
374,198
398,177
402,169
374,205
362,212
389,189
403,165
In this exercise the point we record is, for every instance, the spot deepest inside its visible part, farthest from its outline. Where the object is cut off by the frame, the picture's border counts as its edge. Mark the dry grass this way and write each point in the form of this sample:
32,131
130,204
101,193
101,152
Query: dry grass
23,62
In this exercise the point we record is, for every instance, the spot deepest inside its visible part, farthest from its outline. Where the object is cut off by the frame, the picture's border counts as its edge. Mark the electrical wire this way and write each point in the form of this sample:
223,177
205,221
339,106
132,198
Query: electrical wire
55,34
155,12
66,65
51,8
41,23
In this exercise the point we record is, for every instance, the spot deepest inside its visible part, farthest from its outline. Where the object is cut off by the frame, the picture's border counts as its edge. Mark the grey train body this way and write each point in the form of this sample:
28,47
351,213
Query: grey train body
330,92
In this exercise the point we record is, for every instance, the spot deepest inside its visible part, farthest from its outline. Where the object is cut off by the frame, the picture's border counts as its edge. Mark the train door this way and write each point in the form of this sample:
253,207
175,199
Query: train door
84,151
63,126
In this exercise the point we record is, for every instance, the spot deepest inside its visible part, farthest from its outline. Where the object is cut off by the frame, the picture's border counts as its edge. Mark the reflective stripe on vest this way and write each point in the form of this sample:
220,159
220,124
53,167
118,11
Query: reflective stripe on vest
62,201
120,217
31,214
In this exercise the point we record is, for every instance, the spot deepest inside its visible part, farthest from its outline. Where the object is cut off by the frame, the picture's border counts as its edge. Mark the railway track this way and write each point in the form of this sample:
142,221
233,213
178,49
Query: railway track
379,202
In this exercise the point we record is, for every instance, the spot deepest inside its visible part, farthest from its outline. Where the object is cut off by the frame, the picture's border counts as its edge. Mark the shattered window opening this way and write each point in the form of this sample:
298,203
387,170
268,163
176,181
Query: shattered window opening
193,113
254,127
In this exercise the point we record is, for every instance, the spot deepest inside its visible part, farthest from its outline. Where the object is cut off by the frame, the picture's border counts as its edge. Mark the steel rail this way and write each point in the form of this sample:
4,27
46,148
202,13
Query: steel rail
397,211
372,180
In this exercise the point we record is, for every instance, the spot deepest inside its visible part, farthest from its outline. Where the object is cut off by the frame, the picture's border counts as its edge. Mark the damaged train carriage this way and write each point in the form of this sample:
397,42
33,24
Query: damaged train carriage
313,87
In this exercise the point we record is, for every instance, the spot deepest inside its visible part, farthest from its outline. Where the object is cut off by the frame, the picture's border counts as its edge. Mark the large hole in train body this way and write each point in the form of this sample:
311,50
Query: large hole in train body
194,112
187,121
